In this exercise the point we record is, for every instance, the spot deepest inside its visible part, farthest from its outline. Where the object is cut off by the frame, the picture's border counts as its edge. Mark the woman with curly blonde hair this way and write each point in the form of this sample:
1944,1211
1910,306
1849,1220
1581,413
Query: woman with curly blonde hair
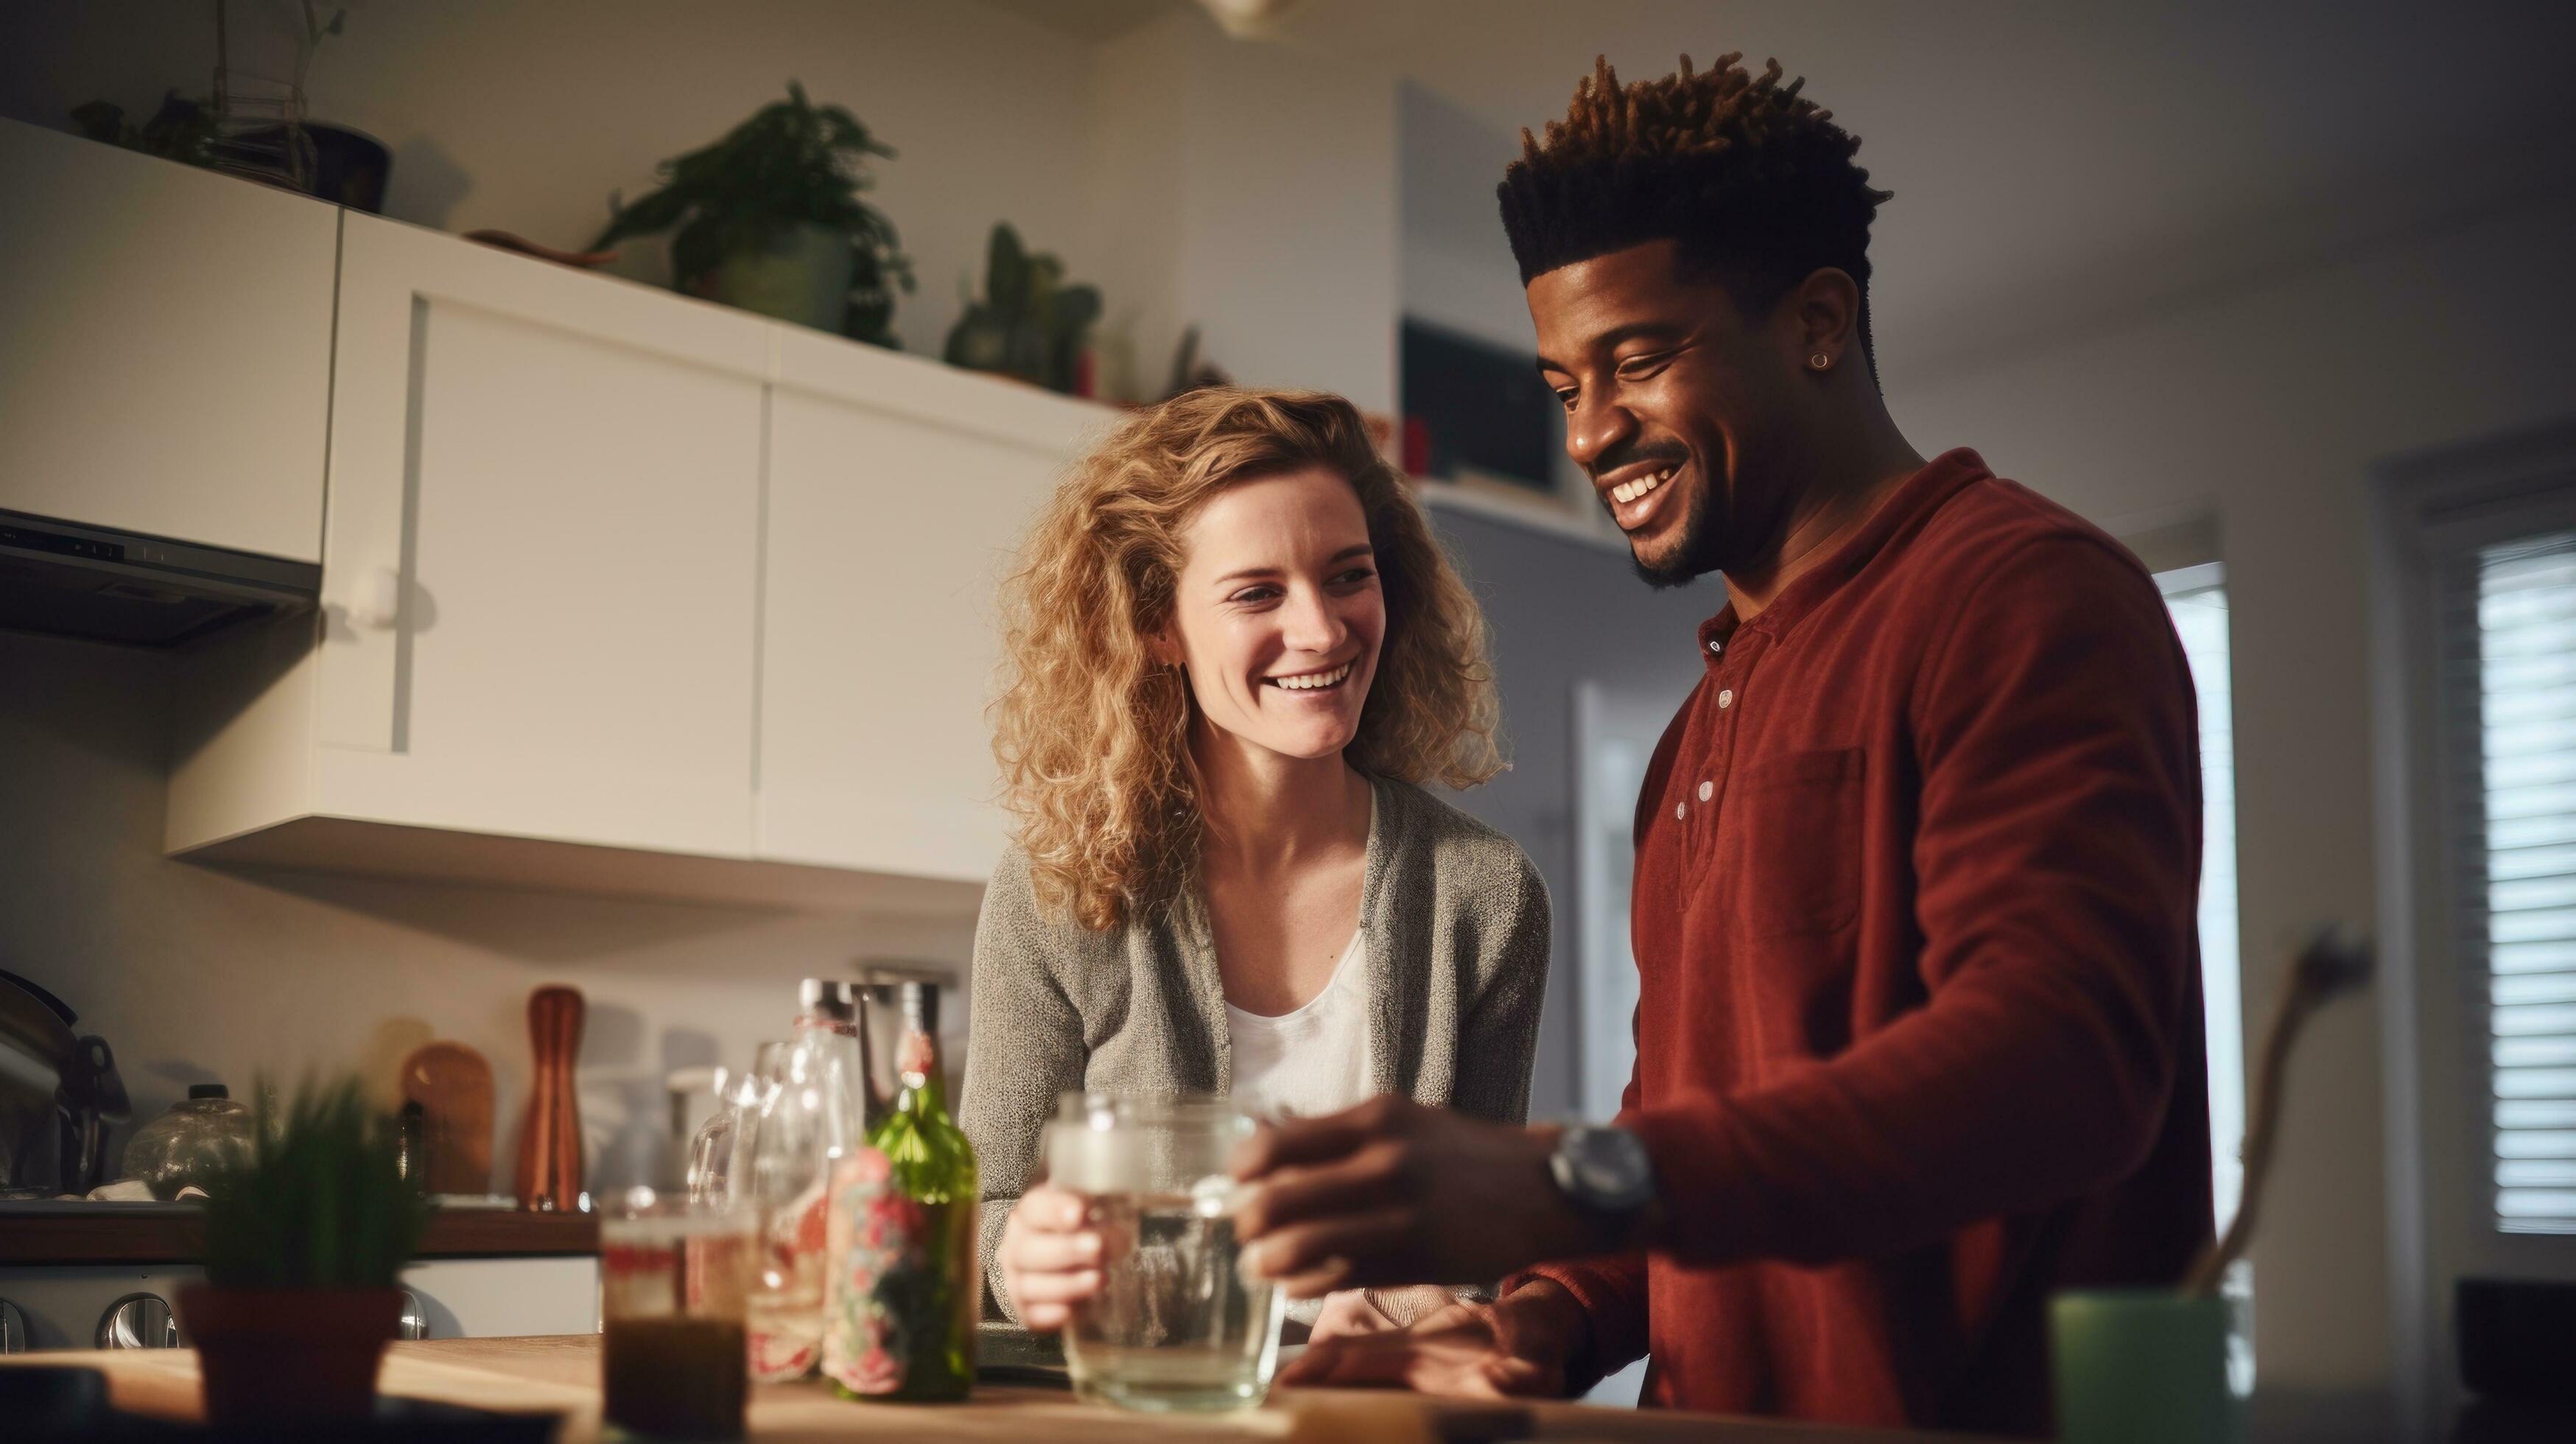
1234,652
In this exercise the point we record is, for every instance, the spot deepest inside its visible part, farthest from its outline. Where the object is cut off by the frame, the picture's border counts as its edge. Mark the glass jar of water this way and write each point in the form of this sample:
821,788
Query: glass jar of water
1176,1324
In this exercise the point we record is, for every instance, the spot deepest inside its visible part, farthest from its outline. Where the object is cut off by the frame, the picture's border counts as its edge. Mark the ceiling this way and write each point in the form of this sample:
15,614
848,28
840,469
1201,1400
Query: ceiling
2057,168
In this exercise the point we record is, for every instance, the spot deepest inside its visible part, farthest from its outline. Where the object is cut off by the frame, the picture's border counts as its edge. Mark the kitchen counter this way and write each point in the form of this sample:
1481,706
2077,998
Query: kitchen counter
137,1233
561,1375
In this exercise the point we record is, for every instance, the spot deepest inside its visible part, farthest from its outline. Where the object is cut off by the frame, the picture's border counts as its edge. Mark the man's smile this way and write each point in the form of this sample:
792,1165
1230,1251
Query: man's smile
1635,494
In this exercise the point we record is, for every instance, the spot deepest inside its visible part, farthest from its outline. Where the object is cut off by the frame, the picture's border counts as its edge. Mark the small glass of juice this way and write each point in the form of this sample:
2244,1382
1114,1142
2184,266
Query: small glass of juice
674,1277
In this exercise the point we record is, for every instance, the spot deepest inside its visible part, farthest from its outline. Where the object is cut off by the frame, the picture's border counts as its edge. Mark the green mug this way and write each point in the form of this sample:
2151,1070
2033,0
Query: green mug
2142,1366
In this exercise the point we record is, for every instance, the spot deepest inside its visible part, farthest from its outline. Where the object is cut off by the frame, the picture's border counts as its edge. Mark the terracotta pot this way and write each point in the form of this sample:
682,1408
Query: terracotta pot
282,1356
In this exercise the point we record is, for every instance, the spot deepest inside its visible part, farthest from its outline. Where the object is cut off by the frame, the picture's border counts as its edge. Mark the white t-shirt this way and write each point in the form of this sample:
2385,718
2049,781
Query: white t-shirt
1312,1061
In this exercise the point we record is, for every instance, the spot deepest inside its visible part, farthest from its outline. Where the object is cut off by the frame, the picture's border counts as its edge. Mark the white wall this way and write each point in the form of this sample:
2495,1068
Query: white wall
2266,410
1255,185
194,974
1457,267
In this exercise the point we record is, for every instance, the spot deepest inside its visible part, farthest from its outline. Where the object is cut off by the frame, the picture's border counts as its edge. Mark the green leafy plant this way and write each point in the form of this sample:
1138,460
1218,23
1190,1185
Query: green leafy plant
181,130
1031,324
793,163
321,1201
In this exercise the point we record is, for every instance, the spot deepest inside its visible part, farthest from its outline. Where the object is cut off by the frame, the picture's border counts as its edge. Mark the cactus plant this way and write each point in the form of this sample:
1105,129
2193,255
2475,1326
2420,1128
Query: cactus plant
1031,324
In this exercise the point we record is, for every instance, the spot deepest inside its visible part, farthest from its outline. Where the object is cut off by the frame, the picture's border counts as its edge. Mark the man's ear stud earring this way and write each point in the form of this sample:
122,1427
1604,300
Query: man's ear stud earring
1821,361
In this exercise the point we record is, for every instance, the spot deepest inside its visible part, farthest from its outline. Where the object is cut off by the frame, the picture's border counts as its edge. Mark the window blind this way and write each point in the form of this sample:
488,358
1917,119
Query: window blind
2507,625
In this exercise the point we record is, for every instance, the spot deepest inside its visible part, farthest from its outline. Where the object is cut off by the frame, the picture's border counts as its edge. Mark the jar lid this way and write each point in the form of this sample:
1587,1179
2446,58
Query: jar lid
207,1090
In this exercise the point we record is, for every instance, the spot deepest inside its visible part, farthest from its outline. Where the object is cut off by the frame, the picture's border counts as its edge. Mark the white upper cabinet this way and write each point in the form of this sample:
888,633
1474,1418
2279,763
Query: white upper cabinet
165,346
627,592
542,564
897,491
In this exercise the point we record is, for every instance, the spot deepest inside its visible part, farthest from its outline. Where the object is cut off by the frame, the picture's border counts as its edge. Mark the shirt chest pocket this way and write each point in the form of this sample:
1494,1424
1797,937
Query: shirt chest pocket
1797,820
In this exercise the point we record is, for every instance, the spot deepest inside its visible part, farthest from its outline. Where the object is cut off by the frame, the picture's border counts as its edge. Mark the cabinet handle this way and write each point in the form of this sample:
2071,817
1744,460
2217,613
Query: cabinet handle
379,604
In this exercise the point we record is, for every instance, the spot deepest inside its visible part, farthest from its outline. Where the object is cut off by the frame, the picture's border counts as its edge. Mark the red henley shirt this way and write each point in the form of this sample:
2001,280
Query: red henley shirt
1919,1038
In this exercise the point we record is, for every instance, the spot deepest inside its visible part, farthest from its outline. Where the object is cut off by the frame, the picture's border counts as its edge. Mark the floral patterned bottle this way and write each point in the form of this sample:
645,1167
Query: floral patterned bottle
902,1289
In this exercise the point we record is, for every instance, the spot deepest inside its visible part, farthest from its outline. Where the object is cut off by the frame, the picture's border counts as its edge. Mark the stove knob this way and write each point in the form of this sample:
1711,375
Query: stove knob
138,1321
415,1319
13,1329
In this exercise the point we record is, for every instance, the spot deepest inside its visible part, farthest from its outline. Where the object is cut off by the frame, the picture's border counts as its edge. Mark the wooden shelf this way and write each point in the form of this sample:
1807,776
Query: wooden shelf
111,1234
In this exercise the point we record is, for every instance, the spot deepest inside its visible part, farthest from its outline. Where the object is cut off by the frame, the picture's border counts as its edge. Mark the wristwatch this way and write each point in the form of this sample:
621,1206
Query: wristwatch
1607,1176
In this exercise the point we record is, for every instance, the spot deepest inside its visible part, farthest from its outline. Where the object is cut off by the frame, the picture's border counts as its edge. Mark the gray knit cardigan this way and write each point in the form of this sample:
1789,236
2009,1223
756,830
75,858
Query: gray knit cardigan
1457,925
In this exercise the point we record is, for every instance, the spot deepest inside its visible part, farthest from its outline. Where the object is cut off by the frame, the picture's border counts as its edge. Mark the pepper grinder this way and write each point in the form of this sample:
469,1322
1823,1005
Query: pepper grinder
550,1137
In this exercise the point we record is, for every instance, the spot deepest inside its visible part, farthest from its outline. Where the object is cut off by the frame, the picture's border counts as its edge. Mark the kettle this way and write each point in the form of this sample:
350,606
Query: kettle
58,1093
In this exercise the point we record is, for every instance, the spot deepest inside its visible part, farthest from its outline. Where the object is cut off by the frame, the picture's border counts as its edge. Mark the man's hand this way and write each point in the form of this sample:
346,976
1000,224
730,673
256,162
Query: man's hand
1391,1192
1516,1348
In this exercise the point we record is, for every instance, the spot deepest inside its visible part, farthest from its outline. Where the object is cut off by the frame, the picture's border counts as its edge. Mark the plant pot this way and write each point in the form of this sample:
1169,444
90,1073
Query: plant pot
803,277
288,1356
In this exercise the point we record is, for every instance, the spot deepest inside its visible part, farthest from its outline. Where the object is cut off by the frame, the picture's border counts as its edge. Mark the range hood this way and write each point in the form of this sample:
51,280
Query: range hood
117,586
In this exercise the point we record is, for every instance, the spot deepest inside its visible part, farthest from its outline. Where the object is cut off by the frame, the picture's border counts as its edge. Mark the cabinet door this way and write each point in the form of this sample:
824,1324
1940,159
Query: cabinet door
897,492
165,358
541,563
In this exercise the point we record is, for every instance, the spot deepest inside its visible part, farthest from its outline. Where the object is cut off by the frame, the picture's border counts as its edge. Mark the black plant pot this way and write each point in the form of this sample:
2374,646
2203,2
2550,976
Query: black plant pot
349,167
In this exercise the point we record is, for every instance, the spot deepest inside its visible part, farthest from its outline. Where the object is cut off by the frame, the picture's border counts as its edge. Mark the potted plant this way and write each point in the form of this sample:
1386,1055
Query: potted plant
304,1240
770,219
182,129
1031,324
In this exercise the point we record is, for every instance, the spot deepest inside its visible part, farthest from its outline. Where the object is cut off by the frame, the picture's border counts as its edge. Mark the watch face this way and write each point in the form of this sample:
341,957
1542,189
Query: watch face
1608,1168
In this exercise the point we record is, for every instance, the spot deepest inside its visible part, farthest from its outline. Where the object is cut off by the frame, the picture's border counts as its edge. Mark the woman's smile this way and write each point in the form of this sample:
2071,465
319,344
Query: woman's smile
1326,680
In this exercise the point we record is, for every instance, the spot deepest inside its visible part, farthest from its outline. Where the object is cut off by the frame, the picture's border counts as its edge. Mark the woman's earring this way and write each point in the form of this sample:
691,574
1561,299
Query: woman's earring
1821,361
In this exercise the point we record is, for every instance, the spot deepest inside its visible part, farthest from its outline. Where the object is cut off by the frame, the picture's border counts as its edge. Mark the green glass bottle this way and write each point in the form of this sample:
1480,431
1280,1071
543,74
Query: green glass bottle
903,1289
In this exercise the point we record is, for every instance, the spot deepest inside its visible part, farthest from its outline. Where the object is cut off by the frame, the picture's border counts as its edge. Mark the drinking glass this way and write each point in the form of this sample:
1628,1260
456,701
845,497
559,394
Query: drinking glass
1176,1324
673,1294
807,1123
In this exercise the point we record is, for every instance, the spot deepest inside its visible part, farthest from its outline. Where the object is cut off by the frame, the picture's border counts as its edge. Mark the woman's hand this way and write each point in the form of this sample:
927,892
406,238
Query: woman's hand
1515,1348
1050,1261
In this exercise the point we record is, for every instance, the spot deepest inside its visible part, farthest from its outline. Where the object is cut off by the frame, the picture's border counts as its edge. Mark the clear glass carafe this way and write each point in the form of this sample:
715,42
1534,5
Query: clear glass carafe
1176,1323
189,1144
812,1119
720,1154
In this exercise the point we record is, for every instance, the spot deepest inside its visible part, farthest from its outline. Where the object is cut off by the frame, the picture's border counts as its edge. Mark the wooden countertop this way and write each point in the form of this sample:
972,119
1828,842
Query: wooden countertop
561,1375
174,1233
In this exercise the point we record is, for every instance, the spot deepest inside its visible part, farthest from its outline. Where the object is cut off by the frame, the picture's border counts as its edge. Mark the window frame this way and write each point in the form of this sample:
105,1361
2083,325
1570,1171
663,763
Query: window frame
2437,1082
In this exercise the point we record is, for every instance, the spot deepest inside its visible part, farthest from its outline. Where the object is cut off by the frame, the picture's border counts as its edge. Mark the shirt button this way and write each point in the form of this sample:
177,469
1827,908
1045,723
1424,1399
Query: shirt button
1681,811
1726,699
1717,649
1705,789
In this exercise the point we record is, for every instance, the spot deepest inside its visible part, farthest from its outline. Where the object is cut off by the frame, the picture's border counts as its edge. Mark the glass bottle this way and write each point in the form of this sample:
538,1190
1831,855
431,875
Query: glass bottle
903,1288
808,1124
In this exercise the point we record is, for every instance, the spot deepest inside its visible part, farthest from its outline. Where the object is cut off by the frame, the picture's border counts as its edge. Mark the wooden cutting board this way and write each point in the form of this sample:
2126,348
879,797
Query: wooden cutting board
453,1086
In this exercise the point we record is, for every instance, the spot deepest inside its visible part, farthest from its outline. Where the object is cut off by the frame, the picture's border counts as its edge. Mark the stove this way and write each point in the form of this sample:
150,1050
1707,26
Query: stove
78,1275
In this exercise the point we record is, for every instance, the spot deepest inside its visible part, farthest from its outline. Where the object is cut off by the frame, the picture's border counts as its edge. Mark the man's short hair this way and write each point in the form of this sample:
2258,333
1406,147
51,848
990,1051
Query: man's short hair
1754,181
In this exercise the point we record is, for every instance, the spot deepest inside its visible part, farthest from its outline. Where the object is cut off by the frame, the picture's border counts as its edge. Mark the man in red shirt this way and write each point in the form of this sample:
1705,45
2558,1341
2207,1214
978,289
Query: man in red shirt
1919,1039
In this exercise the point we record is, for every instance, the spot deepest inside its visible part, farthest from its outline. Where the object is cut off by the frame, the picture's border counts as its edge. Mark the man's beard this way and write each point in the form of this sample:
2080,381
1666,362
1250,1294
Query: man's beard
1693,555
